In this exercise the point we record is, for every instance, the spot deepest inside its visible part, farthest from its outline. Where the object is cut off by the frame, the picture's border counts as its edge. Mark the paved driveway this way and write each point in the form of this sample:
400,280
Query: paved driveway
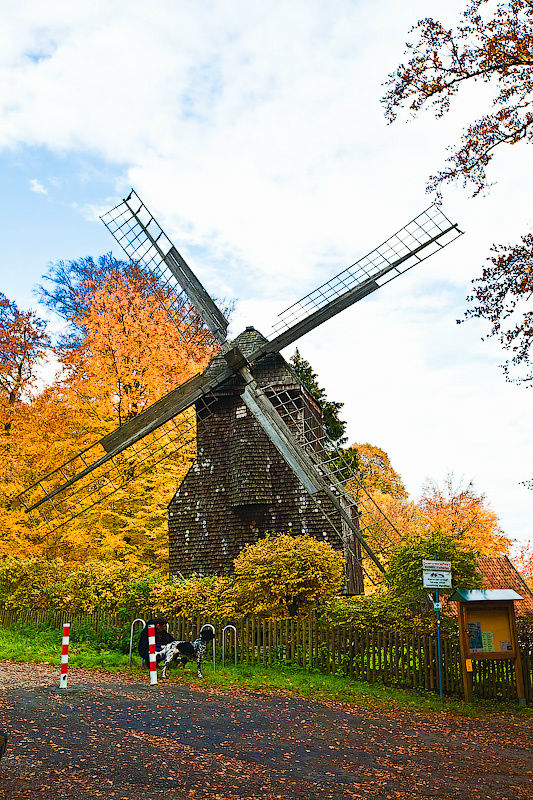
110,737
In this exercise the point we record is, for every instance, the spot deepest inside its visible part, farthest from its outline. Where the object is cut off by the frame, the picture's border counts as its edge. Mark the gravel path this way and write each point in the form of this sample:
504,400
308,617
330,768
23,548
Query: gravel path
118,737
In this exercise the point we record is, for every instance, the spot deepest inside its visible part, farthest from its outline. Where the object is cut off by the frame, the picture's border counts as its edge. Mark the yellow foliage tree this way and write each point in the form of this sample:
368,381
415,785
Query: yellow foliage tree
24,343
375,470
283,575
386,515
523,560
122,350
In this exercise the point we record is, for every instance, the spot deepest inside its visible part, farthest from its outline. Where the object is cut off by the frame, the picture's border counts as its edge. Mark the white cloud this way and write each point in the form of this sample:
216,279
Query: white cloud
255,134
37,187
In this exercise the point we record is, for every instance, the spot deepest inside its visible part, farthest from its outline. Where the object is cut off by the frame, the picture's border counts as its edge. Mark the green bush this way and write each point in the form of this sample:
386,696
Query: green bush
404,571
387,612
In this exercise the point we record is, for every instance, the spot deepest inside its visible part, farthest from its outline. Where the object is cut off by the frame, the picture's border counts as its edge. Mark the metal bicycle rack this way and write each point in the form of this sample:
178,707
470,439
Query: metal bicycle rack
139,619
234,629
208,625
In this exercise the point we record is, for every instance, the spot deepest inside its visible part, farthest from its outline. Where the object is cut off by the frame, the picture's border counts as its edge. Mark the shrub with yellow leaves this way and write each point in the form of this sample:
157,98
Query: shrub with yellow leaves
279,576
283,575
205,596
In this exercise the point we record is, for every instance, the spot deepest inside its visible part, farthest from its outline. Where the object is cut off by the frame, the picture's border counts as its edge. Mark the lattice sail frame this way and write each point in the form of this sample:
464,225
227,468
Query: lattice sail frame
145,243
425,235
333,462
176,437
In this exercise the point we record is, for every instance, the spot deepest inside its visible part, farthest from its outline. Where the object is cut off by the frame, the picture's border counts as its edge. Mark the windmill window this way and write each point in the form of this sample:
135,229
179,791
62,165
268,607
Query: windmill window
240,412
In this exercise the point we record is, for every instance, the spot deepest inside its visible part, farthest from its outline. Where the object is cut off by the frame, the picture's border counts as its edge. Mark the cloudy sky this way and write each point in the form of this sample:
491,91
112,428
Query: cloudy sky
254,133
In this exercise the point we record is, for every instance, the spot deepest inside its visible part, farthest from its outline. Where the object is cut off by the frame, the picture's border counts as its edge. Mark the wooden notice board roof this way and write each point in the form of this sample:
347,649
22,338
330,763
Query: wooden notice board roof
475,595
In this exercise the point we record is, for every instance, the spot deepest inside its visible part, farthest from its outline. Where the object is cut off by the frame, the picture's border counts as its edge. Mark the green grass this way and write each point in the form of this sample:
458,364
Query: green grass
39,645
339,689
43,646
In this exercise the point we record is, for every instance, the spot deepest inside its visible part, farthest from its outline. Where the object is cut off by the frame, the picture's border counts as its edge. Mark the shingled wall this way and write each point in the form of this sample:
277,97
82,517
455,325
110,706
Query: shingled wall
239,487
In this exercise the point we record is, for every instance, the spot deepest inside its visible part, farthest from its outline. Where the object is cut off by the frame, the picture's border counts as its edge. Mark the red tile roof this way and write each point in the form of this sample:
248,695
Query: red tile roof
501,573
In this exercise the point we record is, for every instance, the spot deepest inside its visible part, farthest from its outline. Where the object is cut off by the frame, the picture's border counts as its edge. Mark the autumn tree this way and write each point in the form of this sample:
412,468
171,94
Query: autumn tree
457,509
375,470
284,575
385,512
122,349
127,341
491,45
523,560
397,518
24,346
24,343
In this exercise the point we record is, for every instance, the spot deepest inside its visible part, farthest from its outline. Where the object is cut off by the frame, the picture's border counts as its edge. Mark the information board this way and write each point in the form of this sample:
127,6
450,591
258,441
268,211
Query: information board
436,574
488,630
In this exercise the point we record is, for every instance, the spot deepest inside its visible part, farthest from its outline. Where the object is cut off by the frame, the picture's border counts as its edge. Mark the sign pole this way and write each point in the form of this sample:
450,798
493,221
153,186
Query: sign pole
437,575
439,652
64,656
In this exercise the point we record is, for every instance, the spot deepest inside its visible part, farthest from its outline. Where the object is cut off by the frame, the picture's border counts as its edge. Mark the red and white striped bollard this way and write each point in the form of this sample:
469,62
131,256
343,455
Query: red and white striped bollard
151,654
64,656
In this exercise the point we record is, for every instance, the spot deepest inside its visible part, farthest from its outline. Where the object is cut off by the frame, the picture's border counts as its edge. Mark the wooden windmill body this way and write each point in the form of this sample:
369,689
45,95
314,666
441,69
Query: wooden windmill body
239,487
260,441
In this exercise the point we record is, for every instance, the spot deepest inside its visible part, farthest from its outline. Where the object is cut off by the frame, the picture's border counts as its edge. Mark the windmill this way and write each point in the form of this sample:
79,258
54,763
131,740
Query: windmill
170,424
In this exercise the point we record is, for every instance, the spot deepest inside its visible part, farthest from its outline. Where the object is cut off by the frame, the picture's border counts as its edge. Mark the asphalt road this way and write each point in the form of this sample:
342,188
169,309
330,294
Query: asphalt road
109,737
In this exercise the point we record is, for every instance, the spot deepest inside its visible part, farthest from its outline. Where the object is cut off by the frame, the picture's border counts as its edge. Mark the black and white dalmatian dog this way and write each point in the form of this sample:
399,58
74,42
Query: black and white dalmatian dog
185,651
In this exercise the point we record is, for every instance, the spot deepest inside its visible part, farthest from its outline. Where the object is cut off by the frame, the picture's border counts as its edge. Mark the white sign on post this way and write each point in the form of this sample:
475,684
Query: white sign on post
436,574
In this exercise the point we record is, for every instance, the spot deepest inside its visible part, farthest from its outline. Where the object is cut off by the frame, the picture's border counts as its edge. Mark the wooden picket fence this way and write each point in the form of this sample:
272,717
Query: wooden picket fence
377,655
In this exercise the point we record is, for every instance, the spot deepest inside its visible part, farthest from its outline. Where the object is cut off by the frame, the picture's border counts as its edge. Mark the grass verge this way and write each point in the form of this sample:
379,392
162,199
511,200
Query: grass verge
339,689
33,645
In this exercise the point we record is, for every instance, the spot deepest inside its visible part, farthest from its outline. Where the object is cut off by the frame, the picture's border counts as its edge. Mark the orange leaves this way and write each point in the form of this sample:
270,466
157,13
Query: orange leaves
128,352
121,351
496,49
523,560
459,510
23,343
501,296
493,44
375,471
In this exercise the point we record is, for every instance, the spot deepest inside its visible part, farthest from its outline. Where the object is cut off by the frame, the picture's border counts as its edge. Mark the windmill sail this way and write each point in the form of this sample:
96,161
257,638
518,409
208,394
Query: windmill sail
144,241
373,528
51,505
425,235
57,499
303,460
101,469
